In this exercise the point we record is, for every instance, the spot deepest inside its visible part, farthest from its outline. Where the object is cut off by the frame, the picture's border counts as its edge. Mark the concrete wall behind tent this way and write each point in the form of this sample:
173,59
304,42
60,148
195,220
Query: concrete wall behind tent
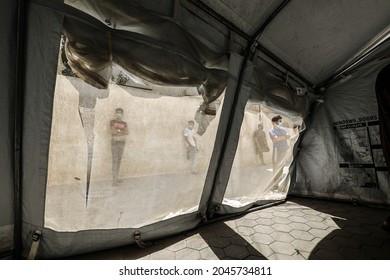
8,13
161,155
340,155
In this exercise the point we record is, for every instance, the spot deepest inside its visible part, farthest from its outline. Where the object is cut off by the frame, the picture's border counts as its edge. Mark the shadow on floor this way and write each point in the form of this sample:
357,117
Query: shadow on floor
338,231
216,241
359,235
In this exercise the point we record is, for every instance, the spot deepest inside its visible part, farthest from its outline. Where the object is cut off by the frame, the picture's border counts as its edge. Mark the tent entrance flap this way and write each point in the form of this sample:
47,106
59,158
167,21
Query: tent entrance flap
260,170
267,122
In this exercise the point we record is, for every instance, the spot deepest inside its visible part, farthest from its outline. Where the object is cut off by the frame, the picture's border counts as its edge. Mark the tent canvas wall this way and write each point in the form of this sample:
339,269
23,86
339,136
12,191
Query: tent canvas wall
346,140
68,64
7,138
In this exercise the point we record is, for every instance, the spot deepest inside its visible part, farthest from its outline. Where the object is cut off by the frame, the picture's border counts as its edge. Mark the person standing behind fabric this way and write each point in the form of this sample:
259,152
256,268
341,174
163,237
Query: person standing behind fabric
382,89
192,146
279,137
119,131
260,143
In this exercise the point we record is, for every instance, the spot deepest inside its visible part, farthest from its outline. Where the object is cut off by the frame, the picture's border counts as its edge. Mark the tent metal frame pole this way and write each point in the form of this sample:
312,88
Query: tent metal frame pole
211,207
18,123
258,34
274,14
284,65
220,18
248,51
247,37
332,79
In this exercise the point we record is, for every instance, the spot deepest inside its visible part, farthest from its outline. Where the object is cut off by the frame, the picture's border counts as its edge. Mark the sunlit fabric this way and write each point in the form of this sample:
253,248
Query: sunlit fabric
136,41
273,92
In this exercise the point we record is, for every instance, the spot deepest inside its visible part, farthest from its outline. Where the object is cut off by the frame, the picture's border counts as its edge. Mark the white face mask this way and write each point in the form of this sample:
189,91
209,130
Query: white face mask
279,124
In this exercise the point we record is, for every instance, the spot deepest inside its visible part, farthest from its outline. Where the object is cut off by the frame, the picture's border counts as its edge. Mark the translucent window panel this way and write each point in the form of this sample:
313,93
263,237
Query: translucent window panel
156,181
260,171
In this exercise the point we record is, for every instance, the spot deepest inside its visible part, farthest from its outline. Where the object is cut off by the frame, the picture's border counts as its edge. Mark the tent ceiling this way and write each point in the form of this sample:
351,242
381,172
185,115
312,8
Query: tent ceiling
248,15
314,38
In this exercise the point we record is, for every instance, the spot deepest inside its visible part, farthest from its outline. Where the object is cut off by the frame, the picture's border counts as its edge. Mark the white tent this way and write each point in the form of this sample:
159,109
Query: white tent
227,65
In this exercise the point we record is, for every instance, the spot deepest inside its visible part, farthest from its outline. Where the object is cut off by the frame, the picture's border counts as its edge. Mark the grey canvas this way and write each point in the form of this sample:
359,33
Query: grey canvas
291,62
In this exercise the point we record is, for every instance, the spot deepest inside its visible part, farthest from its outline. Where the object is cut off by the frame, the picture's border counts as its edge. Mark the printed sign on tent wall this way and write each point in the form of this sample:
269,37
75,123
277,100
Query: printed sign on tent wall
361,158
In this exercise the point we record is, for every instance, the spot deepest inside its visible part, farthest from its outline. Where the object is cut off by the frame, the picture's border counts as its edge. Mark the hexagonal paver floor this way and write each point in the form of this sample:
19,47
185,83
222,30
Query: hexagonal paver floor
301,228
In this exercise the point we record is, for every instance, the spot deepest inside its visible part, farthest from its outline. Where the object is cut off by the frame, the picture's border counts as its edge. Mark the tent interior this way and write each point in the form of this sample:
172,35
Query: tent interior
78,178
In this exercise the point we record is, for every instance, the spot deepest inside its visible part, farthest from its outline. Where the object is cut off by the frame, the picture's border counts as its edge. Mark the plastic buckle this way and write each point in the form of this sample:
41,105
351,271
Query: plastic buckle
36,236
36,240
139,242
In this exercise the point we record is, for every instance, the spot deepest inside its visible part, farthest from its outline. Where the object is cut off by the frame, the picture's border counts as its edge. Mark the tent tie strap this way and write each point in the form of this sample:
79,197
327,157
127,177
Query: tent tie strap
36,240
139,241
